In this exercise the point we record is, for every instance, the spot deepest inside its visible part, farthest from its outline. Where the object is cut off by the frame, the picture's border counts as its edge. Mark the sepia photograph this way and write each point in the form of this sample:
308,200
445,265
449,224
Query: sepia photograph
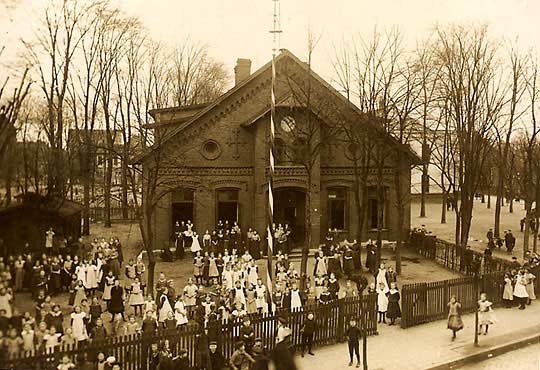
269,185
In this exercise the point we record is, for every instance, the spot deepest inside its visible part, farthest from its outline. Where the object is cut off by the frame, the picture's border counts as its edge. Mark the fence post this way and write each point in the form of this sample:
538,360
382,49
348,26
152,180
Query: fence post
476,280
341,314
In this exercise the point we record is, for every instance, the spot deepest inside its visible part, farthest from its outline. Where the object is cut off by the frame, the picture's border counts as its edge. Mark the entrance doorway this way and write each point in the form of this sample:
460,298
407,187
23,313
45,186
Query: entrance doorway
227,205
182,206
290,208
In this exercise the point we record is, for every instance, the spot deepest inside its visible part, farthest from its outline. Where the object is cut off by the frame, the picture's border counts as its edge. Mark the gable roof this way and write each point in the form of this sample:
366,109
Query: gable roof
284,53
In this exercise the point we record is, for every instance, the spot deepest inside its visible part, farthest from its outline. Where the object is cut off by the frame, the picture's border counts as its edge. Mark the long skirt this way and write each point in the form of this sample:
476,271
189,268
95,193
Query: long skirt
393,310
455,323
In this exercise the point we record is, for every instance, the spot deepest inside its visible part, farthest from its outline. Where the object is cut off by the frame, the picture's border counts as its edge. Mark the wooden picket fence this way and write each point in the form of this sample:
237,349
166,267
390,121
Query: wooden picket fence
450,256
426,302
133,351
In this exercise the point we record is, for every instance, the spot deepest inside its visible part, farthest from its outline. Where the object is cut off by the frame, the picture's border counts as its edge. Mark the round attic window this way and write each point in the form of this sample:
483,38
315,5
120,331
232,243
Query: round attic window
211,149
288,124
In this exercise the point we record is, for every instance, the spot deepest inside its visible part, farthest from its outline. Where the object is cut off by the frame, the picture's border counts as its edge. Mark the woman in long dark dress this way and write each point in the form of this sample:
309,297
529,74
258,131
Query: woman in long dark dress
348,262
116,305
393,304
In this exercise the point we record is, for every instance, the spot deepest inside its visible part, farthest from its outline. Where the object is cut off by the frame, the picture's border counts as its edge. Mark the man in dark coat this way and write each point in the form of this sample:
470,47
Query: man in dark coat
260,355
202,354
283,355
247,334
217,361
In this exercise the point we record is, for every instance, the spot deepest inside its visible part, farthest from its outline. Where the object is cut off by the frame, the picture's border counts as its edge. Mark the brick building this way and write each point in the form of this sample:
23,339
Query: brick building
212,159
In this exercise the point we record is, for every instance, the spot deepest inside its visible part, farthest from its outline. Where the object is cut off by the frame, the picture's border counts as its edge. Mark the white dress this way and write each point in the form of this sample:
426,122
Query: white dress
296,301
520,290
239,296
260,296
195,245
228,279
381,278
180,313
382,300
253,275
135,295
165,308
49,239
80,271
530,285
91,277
321,267
78,326
5,304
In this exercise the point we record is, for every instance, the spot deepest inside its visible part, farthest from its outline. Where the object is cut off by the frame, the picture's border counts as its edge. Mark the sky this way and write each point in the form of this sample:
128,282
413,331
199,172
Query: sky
240,28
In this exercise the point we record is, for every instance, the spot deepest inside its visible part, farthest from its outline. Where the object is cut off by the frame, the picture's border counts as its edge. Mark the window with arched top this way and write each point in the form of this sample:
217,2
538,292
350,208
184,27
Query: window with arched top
182,206
337,208
228,206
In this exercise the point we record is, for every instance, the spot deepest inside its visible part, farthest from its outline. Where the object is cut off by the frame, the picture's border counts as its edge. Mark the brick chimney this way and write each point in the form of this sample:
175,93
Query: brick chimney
242,70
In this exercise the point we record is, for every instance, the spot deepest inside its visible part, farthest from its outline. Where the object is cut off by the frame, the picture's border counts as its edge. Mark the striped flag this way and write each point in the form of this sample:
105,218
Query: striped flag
270,251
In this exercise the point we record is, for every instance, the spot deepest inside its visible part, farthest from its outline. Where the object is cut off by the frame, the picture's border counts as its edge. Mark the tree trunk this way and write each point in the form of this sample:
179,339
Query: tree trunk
526,230
489,199
443,209
466,205
124,163
425,179
107,190
86,203
497,224
145,224
511,206
307,232
400,208
8,176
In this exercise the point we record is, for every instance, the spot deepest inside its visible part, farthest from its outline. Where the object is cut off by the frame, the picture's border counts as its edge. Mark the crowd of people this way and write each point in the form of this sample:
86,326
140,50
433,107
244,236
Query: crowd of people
109,297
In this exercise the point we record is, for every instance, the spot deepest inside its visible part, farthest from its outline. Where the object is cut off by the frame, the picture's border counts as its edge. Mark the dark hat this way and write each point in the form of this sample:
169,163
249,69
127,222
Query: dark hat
258,339
213,343
239,344
246,318
282,320
182,351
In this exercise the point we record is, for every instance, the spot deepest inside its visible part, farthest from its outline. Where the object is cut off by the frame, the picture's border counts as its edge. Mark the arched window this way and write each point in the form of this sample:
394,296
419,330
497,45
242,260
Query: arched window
182,205
337,209
227,205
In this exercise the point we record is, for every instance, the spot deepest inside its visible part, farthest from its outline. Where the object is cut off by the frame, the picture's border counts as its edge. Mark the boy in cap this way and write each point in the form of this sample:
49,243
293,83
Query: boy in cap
260,355
217,361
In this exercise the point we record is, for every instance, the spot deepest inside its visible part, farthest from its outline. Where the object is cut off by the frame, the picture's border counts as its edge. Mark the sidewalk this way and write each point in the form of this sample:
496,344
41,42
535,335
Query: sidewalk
429,346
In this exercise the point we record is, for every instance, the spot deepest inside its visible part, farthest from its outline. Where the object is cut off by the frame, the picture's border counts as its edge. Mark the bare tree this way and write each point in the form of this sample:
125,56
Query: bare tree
518,88
471,81
52,52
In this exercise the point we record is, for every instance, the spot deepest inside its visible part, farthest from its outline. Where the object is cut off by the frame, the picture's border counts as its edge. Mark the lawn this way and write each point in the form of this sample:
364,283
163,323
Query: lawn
483,219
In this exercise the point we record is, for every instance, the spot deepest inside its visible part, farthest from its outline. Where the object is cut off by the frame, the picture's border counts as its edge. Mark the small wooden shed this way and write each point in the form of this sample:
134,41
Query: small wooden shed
27,220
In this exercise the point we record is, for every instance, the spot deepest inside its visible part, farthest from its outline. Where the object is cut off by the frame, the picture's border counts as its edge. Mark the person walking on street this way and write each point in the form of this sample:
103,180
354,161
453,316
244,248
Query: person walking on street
353,341
455,323
485,314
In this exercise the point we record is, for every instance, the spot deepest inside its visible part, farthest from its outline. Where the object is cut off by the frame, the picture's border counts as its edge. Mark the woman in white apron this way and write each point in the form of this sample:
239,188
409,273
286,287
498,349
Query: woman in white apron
165,307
